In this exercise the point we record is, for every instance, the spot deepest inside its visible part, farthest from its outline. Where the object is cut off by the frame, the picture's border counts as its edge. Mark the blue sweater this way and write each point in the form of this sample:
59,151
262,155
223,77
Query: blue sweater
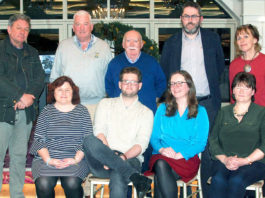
154,80
187,136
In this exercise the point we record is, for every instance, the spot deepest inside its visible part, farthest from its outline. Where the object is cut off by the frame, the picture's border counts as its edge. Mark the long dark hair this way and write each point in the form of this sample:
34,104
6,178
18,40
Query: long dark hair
171,104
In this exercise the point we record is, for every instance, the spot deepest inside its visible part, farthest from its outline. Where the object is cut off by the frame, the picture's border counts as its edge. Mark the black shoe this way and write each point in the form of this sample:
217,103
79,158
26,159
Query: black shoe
142,184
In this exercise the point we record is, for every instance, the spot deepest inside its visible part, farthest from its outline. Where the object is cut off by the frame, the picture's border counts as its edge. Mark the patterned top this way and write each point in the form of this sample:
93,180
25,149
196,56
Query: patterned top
62,133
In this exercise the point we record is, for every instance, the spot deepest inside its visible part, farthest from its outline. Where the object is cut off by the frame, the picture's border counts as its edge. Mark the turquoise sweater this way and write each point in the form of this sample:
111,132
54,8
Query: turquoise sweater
187,136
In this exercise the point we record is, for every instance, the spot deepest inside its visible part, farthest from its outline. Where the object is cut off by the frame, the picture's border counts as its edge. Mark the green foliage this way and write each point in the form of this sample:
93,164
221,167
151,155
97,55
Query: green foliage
114,32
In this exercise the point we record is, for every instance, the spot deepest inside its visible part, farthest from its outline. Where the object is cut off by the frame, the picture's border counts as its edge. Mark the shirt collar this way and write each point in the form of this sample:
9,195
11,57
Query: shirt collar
92,39
127,107
130,60
187,38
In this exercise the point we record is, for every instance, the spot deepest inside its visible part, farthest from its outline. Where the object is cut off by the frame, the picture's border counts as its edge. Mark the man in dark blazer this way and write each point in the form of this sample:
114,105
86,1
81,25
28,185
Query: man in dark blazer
199,52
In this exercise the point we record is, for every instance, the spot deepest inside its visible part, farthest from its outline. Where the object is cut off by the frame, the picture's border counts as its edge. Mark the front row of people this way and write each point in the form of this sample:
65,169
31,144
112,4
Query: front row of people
64,145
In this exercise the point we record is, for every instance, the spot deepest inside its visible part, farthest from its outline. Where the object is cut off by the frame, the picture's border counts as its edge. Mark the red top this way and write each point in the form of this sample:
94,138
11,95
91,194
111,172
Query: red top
257,69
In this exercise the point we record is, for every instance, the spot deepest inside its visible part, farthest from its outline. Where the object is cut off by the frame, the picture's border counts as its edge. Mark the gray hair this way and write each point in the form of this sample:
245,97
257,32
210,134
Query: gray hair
16,17
82,12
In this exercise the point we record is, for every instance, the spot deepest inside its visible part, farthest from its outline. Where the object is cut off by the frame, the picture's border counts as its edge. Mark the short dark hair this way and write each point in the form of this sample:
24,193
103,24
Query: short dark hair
253,31
192,4
16,17
247,79
171,103
133,70
59,82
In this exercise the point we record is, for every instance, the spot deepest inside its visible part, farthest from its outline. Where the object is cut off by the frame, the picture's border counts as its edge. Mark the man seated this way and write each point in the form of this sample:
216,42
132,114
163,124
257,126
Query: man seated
123,127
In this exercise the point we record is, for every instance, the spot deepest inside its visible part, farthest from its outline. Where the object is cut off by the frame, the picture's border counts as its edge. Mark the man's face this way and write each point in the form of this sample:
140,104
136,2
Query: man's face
129,85
18,32
82,27
132,43
191,20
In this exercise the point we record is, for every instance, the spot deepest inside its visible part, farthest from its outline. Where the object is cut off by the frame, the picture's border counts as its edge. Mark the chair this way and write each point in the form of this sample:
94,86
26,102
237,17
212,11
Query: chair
184,185
103,181
257,187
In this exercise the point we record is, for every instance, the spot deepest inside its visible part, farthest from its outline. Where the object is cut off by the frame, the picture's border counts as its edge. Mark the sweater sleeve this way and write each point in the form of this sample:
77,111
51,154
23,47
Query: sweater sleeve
39,141
200,130
109,81
215,147
57,65
86,127
156,134
160,81
262,131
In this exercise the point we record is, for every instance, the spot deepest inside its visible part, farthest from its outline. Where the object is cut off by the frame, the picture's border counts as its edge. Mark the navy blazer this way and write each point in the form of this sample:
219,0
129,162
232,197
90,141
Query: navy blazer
213,59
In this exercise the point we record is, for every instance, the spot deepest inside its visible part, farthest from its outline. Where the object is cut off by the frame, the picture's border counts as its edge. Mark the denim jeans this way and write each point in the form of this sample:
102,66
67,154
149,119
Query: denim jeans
98,155
231,184
15,138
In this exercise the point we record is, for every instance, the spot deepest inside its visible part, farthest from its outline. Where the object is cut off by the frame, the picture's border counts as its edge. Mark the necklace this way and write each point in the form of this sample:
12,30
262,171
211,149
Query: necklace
239,114
247,67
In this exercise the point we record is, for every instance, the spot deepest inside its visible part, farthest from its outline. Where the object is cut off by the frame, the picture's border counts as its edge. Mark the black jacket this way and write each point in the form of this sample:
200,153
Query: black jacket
10,92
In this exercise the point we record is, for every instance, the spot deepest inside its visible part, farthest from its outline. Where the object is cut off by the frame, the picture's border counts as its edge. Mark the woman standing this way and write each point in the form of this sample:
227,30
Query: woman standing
237,142
57,146
249,59
179,134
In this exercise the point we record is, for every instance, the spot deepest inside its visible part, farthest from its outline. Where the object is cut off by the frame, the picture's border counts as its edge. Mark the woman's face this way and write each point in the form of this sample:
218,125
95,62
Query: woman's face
245,41
63,95
179,87
243,93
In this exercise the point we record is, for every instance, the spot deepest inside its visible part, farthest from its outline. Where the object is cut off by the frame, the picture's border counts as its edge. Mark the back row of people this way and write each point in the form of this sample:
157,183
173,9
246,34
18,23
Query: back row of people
22,83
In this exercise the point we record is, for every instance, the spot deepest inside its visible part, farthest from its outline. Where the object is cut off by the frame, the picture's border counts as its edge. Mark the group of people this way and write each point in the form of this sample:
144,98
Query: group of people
82,131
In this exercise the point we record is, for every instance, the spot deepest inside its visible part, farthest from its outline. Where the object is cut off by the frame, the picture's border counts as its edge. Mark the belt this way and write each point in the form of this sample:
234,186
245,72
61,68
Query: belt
201,98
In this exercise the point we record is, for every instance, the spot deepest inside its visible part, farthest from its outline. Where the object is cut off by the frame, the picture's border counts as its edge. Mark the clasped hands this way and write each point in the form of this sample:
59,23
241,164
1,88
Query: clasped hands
62,163
234,162
25,101
170,153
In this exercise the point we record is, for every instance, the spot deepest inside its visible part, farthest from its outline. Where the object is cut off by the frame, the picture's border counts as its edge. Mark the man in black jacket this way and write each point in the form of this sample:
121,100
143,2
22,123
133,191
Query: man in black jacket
21,82
199,52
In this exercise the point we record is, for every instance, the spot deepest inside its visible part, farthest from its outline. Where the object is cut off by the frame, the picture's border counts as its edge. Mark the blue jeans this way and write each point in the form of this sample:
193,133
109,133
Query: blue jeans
232,184
97,155
15,138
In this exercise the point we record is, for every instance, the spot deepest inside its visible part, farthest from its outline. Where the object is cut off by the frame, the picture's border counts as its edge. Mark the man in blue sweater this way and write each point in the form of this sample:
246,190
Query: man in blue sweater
154,80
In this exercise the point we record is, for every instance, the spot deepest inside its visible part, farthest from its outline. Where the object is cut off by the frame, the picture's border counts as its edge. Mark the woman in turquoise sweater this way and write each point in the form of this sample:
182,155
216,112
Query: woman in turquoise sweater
180,132
237,142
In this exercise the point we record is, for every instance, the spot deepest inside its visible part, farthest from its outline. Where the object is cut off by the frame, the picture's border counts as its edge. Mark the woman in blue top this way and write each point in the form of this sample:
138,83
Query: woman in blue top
180,132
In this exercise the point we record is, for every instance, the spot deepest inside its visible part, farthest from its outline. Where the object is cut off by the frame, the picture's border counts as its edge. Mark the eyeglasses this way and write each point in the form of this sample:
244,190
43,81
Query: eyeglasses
243,88
177,83
187,17
131,82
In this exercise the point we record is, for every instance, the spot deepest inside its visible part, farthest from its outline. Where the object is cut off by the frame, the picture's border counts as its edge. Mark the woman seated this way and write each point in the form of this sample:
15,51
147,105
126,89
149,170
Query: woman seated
237,142
180,132
57,146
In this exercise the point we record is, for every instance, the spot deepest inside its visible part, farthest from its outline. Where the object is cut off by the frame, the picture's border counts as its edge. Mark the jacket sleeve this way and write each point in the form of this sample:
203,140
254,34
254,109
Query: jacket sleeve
36,84
219,56
215,147
164,61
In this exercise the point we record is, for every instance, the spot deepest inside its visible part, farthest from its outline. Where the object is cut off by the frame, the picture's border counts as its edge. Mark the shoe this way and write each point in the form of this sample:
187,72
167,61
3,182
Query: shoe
142,184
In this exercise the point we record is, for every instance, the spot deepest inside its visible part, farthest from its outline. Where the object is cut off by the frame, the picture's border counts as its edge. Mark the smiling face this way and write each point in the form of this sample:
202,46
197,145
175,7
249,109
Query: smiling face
243,93
129,85
246,42
63,95
179,87
83,27
18,32
191,20
132,44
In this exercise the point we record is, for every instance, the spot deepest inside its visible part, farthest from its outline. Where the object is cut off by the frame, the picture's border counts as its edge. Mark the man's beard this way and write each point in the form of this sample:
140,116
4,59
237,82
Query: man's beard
129,95
193,30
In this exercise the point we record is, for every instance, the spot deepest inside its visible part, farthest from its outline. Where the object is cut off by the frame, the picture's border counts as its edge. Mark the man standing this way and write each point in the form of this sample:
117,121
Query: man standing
154,80
21,82
84,58
123,127
199,52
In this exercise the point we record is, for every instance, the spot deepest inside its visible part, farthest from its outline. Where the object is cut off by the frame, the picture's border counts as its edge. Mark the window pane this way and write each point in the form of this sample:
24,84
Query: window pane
44,9
8,8
97,8
173,8
130,9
